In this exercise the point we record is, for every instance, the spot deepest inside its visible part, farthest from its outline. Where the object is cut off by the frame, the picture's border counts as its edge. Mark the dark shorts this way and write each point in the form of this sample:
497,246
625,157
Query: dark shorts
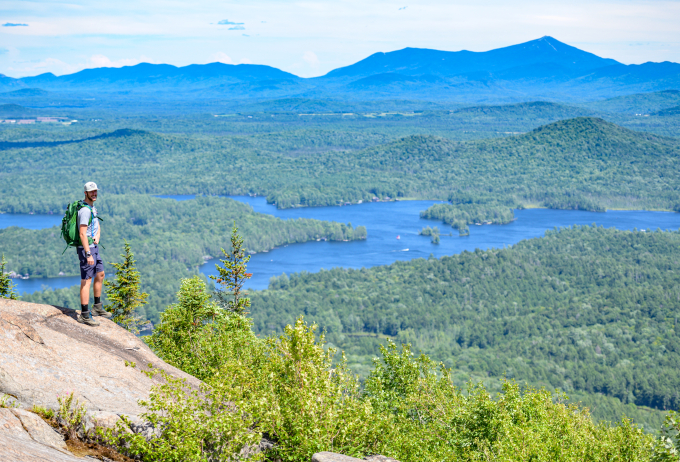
89,271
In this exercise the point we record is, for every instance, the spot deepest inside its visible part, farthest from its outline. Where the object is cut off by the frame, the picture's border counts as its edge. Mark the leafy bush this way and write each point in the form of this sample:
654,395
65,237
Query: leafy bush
214,421
291,390
70,414
318,406
668,445
437,421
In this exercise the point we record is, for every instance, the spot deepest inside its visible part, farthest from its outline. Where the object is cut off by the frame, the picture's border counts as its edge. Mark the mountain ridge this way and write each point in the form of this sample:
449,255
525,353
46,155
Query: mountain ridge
544,68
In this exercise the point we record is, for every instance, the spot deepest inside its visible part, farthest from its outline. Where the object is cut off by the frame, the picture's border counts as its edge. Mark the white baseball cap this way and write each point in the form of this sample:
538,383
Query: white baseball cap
90,186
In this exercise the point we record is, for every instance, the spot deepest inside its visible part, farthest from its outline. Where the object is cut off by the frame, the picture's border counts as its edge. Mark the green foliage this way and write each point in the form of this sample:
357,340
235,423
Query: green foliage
124,294
316,401
291,389
6,285
436,421
667,448
588,310
70,413
45,413
459,216
427,231
182,337
5,401
214,422
232,276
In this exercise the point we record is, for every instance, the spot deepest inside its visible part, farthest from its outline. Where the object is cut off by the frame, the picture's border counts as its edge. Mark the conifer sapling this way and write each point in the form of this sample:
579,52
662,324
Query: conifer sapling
232,276
6,285
124,294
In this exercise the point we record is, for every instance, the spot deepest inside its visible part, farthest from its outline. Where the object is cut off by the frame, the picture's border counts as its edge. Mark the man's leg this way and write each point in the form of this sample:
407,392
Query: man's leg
97,286
98,308
85,291
86,276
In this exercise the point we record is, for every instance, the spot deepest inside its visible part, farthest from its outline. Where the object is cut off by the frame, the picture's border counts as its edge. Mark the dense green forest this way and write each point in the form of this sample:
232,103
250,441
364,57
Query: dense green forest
170,240
583,163
586,310
590,311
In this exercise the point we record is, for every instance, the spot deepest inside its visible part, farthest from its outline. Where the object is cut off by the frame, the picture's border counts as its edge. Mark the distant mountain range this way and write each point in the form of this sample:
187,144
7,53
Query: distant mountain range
540,69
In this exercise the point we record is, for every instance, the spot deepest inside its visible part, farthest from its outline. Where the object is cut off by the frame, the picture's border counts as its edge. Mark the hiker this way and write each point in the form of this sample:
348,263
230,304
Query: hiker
91,265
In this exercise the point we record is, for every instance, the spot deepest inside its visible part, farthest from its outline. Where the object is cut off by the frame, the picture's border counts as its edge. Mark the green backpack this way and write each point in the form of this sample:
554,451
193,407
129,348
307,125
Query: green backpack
69,224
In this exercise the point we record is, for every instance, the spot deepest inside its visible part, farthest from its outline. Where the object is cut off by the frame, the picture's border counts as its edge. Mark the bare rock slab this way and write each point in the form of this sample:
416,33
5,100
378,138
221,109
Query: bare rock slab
17,445
333,457
40,431
45,353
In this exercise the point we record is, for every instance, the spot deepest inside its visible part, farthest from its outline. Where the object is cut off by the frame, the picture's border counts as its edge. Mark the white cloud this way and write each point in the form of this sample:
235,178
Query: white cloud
220,57
53,65
227,22
237,28
310,58
103,61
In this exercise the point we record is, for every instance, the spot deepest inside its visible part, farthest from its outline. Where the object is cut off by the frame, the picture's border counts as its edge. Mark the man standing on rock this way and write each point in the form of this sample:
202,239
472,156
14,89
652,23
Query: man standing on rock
91,265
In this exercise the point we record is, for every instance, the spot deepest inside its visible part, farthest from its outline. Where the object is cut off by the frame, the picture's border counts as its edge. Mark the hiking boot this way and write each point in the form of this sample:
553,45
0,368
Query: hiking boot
87,318
98,310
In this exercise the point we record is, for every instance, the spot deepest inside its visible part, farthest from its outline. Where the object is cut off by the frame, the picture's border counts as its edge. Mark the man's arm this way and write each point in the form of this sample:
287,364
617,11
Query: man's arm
86,245
99,231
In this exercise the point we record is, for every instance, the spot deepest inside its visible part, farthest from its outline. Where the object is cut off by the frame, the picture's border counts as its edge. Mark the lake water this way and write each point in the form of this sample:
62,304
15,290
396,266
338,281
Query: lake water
385,221
29,221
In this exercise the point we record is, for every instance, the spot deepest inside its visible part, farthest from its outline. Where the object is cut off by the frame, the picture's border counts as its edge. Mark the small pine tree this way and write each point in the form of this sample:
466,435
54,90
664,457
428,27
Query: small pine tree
124,294
232,276
6,285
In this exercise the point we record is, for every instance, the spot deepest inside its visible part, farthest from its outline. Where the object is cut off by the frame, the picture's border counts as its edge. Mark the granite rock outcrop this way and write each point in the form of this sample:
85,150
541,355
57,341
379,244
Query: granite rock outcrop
45,353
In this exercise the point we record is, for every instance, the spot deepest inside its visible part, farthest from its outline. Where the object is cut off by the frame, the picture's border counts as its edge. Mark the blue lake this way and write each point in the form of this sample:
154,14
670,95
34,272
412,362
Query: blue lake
29,221
385,221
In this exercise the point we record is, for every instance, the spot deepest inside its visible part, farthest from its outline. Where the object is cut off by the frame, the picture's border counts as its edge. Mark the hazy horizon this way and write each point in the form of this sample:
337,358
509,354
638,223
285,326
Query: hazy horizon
311,38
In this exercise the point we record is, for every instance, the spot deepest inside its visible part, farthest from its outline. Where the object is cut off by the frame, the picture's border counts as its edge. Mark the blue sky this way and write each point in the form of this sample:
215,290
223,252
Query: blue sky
312,37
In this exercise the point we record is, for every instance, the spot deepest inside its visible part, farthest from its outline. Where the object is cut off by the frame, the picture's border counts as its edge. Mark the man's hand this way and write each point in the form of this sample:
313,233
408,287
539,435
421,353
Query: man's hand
90,260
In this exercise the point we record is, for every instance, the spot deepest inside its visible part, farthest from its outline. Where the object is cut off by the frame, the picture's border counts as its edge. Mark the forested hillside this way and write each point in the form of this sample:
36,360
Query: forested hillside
591,311
583,163
170,240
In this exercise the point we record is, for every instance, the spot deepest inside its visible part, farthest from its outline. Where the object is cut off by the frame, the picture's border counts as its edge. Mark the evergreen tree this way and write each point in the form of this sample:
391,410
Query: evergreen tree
124,294
232,276
6,285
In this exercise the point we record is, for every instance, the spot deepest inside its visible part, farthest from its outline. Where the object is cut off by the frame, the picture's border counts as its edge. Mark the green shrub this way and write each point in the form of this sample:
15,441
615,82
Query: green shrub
212,422
198,337
71,412
437,421
668,444
317,404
